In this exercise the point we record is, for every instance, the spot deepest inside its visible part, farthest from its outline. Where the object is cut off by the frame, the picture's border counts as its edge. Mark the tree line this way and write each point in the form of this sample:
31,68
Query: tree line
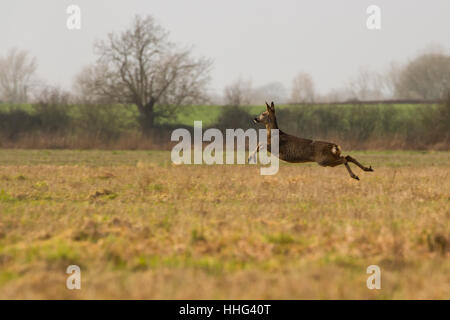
57,124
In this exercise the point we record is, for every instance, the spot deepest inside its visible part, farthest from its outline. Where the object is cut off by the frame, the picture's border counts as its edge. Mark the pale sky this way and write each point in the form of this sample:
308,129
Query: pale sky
261,40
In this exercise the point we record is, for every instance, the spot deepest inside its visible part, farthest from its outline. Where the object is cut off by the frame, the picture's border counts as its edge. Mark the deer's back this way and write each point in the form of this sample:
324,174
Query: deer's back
295,149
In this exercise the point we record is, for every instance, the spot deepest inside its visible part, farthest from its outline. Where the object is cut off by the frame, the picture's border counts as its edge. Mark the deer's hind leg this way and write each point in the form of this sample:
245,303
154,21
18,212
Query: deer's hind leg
353,160
339,161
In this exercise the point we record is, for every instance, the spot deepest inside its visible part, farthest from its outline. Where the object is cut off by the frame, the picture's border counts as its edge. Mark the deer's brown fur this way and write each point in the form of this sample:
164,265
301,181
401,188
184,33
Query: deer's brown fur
297,150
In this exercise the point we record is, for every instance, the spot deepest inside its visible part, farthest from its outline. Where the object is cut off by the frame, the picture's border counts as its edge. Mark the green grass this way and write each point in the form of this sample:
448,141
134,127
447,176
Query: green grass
96,158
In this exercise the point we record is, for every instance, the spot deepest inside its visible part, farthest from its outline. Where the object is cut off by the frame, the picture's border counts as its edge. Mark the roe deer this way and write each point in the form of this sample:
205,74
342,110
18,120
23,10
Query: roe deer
296,150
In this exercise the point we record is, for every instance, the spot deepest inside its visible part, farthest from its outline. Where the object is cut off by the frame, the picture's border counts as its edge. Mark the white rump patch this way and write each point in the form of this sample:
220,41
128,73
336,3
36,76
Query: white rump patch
336,150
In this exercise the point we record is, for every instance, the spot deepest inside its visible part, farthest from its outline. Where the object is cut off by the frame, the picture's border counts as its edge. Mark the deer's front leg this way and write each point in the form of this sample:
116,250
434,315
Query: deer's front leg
350,159
252,156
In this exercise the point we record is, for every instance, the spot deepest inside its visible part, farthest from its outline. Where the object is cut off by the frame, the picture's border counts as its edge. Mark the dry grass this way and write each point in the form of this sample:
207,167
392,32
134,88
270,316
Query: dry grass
126,141
140,227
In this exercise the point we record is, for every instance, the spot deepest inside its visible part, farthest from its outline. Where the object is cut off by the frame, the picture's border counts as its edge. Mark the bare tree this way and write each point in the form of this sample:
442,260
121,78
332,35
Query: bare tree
215,98
273,91
389,80
366,85
302,89
426,77
141,66
17,71
238,93
50,95
336,95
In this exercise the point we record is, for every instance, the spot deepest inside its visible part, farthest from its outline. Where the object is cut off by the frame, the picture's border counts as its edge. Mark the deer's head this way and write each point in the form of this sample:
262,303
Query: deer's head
268,116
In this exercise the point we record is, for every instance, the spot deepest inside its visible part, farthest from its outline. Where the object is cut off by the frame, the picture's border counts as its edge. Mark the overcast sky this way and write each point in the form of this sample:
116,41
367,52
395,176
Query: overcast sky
260,40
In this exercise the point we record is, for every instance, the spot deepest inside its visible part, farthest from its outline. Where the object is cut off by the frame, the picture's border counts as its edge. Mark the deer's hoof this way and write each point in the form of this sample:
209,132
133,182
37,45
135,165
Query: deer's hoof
355,177
369,169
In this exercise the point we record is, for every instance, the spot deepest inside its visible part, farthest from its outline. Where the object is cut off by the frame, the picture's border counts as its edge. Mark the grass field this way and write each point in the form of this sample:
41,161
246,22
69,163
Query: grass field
140,227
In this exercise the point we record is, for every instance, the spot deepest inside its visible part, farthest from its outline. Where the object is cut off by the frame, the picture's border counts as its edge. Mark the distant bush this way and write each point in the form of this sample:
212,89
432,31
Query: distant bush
105,122
377,126
15,122
234,117
52,117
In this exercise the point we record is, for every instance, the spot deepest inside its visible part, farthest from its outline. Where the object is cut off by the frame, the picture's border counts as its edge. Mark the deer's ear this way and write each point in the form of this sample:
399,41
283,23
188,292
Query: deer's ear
267,105
272,107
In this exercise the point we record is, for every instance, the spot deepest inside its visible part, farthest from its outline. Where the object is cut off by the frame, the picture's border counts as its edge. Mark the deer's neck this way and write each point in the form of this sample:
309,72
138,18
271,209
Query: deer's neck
272,124
269,126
